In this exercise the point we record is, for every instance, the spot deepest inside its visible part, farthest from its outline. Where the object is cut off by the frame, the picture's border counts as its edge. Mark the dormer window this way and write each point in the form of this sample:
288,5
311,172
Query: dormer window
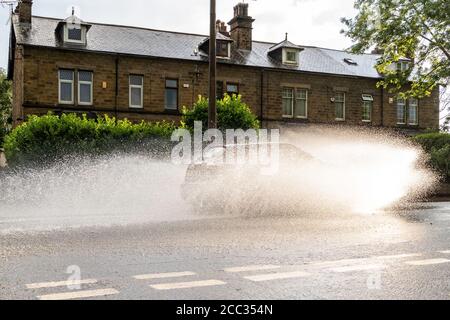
74,34
223,49
72,30
290,56
402,66
223,46
286,52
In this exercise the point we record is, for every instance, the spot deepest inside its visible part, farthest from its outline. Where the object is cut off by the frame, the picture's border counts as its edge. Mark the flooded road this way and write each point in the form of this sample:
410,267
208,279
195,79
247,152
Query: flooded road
390,255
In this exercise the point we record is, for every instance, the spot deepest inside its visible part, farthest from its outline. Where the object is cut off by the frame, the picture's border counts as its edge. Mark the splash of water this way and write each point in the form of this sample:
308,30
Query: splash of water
353,171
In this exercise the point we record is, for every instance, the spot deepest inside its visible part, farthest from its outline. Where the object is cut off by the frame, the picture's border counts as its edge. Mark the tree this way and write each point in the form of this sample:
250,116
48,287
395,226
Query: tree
5,105
414,29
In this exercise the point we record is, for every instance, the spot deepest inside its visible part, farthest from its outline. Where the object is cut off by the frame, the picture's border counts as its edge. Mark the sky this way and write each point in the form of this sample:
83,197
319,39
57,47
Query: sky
308,22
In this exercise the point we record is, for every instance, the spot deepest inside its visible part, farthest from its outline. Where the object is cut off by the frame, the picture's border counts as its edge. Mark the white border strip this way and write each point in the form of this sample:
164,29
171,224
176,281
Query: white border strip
187,285
277,276
251,268
60,284
79,294
164,275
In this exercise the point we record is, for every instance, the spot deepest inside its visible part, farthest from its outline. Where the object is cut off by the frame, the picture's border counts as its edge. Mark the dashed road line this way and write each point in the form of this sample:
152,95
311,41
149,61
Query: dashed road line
427,262
366,267
79,294
164,275
398,256
187,285
251,268
56,284
277,276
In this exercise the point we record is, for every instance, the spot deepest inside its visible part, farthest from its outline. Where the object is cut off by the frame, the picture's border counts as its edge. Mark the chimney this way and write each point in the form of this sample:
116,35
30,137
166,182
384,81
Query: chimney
222,28
23,10
241,27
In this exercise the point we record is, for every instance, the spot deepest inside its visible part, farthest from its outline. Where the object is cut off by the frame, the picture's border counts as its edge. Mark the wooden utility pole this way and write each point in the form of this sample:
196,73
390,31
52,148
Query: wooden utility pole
212,114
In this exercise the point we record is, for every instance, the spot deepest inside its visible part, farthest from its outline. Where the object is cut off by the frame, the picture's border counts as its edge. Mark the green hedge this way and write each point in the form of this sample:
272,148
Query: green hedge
437,145
47,138
232,113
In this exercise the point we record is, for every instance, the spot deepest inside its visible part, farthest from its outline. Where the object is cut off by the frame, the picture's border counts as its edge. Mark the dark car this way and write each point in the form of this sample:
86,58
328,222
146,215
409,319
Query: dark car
229,178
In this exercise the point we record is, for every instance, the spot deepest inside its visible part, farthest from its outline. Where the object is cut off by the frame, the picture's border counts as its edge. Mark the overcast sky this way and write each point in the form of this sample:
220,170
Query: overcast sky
309,22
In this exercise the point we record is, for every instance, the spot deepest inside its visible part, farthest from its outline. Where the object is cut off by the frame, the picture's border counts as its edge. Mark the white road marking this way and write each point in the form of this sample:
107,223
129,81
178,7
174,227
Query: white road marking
338,262
187,285
277,276
358,268
427,262
251,268
79,294
445,252
60,284
164,275
398,256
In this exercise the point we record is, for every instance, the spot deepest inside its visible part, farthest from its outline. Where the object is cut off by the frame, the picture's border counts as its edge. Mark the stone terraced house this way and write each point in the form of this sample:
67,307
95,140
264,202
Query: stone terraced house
68,65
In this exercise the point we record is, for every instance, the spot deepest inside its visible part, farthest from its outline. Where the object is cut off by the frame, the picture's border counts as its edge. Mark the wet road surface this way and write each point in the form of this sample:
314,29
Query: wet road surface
389,255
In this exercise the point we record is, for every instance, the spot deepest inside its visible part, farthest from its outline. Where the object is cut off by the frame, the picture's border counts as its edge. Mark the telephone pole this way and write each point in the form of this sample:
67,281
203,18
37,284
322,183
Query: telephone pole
212,113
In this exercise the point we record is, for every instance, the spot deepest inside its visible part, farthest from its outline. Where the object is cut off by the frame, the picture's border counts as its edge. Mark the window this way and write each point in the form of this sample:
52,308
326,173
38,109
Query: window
66,78
288,102
339,105
136,91
222,49
74,33
171,100
402,66
85,87
301,103
295,103
232,88
413,107
367,107
401,111
290,56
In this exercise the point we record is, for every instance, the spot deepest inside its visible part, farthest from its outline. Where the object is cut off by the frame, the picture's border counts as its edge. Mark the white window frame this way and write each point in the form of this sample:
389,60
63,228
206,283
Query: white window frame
83,35
306,102
66,81
135,86
291,116
294,101
368,98
417,111
91,83
343,105
285,56
404,111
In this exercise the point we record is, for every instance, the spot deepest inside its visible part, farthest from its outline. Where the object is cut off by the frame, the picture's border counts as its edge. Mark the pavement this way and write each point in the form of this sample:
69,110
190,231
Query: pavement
401,254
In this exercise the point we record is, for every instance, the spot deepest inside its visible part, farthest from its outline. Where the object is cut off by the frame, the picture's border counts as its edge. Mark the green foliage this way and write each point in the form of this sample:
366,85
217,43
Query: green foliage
232,113
415,29
50,137
5,106
438,147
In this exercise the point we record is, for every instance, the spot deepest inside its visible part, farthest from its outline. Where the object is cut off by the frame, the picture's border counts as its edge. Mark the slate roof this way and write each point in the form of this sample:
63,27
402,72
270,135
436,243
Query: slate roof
175,45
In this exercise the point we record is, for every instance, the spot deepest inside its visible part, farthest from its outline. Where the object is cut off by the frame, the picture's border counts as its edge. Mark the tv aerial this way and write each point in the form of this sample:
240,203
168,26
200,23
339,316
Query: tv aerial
10,4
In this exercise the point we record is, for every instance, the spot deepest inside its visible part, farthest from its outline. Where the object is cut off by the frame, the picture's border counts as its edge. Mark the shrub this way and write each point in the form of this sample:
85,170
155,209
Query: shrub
50,137
437,145
232,113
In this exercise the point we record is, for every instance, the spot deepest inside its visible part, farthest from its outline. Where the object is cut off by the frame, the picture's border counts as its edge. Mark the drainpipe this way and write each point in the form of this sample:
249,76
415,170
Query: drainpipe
382,106
117,89
261,117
